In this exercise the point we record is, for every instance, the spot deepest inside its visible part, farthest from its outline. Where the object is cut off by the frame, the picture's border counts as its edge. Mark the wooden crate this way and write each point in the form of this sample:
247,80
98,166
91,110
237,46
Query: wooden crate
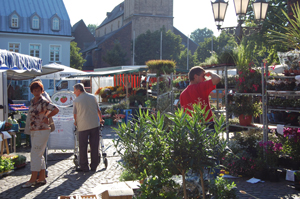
118,194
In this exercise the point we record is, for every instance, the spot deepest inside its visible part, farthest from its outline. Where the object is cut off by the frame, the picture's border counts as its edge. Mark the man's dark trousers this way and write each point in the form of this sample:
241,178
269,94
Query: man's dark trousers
93,136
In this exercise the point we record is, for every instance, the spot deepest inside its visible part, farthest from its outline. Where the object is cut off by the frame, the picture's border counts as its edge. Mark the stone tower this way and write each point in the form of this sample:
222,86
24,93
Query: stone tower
148,15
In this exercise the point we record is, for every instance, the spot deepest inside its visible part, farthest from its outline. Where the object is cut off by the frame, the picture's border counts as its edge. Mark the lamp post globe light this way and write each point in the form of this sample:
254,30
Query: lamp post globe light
219,8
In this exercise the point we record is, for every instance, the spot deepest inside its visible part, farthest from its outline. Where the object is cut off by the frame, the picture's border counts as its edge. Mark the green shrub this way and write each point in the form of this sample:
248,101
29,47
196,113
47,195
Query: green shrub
161,66
221,188
128,176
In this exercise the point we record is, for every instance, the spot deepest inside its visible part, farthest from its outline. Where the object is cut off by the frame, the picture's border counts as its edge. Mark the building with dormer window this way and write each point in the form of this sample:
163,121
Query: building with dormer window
40,28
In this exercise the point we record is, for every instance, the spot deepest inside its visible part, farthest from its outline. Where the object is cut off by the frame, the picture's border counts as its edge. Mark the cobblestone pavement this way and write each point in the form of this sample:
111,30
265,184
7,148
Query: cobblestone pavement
64,180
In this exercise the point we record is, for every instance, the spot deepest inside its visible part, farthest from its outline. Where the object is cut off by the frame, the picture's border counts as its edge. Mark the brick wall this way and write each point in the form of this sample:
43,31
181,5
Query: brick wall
124,37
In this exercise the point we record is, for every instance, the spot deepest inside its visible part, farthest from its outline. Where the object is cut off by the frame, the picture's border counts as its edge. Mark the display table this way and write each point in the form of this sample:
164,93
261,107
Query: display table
4,136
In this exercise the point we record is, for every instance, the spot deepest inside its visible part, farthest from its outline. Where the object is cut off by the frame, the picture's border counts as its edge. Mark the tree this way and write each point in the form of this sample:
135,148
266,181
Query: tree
182,61
262,47
76,60
200,34
147,46
116,56
92,28
205,49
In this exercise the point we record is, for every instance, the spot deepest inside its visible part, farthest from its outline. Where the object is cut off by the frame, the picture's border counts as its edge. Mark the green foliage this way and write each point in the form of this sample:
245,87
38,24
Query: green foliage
221,188
242,56
291,35
245,105
92,28
21,159
6,164
76,60
161,66
200,35
116,56
128,176
156,150
147,46
182,60
219,43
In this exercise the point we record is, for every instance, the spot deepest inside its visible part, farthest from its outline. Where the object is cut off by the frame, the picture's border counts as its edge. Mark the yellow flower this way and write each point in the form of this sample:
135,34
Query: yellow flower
240,176
221,174
226,172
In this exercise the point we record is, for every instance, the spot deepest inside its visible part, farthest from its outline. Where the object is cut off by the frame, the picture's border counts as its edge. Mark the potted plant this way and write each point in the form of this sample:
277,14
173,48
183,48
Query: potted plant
245,107
20,161
161,66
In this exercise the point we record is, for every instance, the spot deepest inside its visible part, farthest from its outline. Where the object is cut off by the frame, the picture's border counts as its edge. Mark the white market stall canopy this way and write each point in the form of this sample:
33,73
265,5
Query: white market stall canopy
22,67
109,72
67,72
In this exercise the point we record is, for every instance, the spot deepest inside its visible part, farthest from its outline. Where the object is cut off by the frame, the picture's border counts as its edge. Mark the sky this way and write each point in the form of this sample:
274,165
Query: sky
189,15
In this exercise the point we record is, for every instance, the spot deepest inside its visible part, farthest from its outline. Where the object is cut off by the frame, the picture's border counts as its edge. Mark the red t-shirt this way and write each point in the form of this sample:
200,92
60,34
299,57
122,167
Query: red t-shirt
197,94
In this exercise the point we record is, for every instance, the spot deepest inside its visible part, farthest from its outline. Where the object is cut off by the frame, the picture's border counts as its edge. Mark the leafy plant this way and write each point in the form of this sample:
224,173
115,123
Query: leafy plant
161,66
291,35
6,164
221,188
245,105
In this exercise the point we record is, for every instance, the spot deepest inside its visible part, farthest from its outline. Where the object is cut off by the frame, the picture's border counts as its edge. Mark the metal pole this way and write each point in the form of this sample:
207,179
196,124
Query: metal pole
160,45
133,50
187,53
226,102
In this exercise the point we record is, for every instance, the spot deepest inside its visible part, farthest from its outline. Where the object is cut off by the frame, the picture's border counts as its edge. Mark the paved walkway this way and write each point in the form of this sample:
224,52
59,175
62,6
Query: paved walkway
64,180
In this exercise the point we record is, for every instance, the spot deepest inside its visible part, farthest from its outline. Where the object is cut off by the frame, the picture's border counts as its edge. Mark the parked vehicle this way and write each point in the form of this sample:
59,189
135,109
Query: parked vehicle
67,85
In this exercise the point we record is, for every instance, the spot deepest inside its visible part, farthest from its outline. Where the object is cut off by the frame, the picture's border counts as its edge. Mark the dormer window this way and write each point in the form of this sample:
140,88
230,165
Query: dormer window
55,23
35,22
14,20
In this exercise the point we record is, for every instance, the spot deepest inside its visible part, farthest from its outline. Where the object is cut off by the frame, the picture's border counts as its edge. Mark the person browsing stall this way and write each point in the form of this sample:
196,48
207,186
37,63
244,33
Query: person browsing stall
198,90
87,116
40,110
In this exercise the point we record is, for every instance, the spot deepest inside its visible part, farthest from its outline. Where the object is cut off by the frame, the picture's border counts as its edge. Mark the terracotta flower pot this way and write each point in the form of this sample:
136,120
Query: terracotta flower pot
245,120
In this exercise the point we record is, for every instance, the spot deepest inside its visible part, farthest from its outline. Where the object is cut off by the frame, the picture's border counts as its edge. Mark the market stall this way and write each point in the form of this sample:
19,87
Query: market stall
16,66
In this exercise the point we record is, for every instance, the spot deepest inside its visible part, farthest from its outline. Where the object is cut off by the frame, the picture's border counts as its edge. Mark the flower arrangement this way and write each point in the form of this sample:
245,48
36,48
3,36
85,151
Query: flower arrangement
249,81
244,164
291,144
271,150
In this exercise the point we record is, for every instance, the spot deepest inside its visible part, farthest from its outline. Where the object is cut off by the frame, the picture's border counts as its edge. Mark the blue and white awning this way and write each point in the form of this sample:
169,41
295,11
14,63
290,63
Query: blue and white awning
21,67
16,61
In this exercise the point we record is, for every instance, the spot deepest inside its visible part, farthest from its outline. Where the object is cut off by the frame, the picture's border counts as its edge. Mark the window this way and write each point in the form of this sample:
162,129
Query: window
14,21
51,84
55,23
14,47
118,24
35,50
54,53
111,28
35,22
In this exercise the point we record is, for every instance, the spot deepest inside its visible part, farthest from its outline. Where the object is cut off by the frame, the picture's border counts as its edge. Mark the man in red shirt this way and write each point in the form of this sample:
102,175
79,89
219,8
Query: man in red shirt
199,89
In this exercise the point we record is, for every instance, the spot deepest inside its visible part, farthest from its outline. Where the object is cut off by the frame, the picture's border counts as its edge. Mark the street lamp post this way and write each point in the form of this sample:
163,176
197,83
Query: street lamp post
219,8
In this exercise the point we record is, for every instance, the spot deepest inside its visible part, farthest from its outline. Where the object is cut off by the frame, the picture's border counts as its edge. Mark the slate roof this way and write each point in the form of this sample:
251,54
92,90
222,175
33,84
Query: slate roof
26,8
100,40
115,13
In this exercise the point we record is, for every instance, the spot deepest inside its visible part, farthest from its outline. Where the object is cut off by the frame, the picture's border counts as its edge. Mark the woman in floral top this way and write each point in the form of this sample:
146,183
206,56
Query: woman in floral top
40,111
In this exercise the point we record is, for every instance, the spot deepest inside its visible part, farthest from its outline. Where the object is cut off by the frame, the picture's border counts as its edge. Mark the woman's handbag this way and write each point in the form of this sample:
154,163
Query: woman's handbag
51,124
